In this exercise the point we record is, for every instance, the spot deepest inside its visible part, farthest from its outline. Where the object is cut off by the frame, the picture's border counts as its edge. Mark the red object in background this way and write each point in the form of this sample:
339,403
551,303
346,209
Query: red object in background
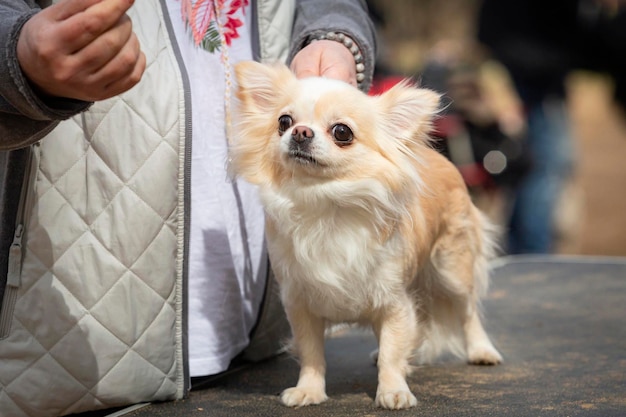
382,84
450,129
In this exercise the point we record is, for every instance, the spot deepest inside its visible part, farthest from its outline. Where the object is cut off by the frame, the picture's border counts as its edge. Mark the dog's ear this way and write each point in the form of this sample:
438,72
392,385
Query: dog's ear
409,111
259,85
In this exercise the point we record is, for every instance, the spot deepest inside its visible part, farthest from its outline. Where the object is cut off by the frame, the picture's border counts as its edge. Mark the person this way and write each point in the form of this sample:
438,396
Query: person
541,43
537,54
131,262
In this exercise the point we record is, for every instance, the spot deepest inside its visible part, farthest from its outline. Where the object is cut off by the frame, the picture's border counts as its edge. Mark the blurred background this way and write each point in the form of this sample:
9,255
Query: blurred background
534,118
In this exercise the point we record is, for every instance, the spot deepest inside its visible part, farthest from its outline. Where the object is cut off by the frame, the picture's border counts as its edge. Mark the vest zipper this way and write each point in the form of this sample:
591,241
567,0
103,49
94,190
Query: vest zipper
14,272
13,283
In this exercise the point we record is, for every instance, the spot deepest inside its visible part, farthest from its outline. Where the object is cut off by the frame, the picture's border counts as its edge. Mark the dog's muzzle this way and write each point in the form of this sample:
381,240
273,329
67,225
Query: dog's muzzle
300,144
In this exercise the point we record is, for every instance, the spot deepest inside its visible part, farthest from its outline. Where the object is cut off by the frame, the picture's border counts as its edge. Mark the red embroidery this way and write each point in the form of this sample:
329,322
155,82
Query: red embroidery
200,17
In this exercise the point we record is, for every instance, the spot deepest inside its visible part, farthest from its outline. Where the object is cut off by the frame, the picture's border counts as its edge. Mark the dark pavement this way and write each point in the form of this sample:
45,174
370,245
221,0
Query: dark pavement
559,322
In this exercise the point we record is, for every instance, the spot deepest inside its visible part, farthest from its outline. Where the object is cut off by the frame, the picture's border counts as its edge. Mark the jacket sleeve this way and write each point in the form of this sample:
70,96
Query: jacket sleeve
25,116
351,17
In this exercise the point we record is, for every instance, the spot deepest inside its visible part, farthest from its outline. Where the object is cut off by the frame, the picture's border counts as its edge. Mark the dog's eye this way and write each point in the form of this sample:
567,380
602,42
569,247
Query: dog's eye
284,122
343,134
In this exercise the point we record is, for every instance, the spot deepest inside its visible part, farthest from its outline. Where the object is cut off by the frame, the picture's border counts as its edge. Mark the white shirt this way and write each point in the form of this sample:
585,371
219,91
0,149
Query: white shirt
227,221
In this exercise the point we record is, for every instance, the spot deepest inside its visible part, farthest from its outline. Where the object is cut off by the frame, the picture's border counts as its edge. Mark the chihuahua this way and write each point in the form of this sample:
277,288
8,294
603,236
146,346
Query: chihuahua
366,224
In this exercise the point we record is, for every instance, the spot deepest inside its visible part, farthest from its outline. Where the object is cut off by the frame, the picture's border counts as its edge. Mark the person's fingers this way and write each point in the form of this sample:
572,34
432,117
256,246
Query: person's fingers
123,85
91,55
326,59
122,72
328,70
304,71
338,62
67,8
103,49
81,28
340,72
307,61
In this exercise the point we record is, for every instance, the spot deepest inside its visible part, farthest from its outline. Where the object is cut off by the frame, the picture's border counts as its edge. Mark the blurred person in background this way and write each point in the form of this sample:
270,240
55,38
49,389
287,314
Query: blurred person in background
540,43
481,128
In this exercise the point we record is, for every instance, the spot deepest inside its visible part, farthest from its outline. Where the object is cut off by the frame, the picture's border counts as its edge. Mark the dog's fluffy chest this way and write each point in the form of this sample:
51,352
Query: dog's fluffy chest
335,262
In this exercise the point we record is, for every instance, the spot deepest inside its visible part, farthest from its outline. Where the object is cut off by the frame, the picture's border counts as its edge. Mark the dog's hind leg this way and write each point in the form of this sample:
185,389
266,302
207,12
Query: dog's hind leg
480,350
462,279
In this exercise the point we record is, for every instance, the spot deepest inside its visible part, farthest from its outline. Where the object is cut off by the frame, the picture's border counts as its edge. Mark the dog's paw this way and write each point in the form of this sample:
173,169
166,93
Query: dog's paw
484,355
396,400
298,397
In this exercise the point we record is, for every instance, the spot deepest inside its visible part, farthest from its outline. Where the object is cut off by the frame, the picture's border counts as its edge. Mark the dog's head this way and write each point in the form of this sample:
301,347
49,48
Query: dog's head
316,130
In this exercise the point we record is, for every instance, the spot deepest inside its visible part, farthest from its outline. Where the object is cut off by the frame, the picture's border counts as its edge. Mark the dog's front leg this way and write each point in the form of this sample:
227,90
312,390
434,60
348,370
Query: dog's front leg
308,337
396,330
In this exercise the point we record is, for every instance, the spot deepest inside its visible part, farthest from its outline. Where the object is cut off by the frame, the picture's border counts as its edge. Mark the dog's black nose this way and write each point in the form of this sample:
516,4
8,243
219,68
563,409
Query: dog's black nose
302,134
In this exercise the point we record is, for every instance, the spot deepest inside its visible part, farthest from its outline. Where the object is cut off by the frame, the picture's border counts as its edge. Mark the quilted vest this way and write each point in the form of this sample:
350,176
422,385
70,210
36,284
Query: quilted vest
98,315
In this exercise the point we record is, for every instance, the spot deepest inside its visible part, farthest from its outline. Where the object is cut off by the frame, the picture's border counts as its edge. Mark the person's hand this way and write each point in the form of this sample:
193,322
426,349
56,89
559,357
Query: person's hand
81,49
325,58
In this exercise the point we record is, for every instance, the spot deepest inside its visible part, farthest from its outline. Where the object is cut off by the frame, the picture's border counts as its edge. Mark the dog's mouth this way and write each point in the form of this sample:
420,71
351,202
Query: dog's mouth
302,157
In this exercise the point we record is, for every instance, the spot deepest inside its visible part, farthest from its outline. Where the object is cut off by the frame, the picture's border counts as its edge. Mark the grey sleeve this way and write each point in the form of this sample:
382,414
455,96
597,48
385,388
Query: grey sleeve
25,116
351,17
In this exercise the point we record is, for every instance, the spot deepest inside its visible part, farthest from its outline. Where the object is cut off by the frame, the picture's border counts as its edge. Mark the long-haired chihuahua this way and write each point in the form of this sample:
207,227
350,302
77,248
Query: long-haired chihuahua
366,223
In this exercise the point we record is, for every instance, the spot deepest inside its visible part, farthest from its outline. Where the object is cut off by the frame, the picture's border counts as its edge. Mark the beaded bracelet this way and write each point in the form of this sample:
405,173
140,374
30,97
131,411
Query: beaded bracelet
352,47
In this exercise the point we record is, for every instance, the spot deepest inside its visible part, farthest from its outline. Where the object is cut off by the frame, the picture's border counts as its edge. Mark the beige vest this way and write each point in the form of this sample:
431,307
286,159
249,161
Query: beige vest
98,320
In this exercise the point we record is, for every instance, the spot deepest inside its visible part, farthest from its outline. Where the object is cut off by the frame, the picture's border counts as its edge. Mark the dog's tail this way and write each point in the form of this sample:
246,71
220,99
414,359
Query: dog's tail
489,236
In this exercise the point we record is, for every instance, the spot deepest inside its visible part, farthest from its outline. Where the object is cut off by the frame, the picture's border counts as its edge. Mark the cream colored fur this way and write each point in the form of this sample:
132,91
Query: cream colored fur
376,230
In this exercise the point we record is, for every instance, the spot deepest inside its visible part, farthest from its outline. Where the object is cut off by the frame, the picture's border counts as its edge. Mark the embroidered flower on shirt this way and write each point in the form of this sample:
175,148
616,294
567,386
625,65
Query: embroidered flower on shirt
201,19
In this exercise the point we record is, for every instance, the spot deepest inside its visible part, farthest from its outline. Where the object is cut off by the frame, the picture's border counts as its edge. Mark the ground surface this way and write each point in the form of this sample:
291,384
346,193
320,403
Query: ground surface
557,322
